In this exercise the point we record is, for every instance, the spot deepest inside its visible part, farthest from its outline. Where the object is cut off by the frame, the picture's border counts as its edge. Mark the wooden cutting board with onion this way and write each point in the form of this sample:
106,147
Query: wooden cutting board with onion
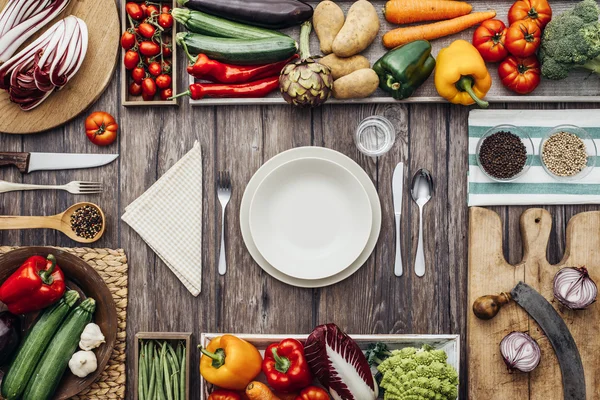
102,21
565,309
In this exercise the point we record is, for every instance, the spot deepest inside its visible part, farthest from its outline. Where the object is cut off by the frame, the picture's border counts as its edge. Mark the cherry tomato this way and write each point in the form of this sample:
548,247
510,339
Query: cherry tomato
144,7
131,59
166,67
151,10
127,40
146,30
521,75
523,38
163,81
134,10
135,89
149,86
147,96
154,68
165,20
222,394
166,93
138,74
167,49
313,393
489,38
101,128
165,9
538,11
149,49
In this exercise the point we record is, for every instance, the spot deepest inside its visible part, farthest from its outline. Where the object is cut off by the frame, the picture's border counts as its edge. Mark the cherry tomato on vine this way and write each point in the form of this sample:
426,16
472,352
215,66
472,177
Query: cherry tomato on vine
131,59
521,75
146,30
165,9
149,49
489,39
127,40
313,393
538,11
154,68
101,128
166,67
147,96
149,86
167,50
135,89
163,81
166,93
134,10
165,20
151,10
143,6
523,38
138,74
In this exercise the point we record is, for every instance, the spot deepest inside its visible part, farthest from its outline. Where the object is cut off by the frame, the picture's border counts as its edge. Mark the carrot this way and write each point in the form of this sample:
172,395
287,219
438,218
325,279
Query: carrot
259,391
408,11
400,36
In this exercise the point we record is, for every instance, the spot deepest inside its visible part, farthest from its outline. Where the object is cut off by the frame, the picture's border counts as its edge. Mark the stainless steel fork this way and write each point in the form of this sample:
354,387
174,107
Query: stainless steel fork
224,194
75,187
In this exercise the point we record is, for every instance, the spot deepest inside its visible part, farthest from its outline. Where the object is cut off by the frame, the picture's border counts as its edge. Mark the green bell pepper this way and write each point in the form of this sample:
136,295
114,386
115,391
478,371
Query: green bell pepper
402,70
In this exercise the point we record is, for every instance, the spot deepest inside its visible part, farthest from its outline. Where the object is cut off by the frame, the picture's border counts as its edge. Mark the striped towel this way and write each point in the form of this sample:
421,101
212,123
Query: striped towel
536,186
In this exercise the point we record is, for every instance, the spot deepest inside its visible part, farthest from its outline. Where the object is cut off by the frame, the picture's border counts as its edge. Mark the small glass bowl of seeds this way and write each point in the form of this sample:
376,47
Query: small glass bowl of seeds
505,152
568,153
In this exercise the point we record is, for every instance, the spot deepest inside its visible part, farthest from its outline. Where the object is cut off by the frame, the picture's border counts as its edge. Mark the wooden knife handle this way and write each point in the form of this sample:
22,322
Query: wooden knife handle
19,160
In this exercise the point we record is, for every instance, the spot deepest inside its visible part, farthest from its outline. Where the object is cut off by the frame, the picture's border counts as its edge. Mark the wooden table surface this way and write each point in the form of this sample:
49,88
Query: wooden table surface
240,139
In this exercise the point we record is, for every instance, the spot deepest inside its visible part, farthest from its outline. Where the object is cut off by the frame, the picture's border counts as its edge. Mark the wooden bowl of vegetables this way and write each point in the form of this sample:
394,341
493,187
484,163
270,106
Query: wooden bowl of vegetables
81,284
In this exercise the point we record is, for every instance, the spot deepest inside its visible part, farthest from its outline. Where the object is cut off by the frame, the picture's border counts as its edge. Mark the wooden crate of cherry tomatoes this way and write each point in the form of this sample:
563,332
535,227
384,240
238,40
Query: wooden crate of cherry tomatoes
149,62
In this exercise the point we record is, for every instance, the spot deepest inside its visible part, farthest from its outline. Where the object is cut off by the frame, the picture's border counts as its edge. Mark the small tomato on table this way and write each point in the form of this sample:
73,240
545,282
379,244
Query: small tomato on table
521,75
313,393
489,39
285,366
538,11
523,38
221,394
101,128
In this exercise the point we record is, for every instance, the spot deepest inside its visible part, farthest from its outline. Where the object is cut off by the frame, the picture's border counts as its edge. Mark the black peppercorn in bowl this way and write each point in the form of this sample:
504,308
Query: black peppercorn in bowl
505,152
568,153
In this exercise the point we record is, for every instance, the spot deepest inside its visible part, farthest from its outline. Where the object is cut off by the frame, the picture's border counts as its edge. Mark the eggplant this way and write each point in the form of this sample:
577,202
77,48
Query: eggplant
272,14
10,335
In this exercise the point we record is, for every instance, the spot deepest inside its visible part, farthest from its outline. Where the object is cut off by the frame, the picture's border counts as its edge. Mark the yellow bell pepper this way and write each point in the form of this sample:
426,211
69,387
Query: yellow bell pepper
461,76
230,362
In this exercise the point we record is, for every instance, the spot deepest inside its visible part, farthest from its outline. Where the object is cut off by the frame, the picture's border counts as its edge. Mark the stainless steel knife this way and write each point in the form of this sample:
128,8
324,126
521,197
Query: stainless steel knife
29,162
397,193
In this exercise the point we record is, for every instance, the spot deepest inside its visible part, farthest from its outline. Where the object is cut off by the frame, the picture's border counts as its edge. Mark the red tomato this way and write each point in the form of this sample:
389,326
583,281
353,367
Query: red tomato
163,81
147,96
165,20
521,75
135,89
523,38
167,50
101,128
313,393
538,11
489,38
166,93
138,74
134,10
166,67
131,59
154,68
149,86
165,9
149,49
144,7
127,40
146,30
151,10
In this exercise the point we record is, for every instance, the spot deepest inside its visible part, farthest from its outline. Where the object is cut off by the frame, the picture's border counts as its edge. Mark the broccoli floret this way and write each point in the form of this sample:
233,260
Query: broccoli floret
572,40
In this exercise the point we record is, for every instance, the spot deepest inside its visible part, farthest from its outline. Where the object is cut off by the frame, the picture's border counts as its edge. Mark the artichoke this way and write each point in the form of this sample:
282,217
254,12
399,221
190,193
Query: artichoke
305,83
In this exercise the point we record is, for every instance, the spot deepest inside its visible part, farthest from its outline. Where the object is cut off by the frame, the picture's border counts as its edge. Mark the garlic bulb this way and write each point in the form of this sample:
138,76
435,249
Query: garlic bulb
91,337
83,363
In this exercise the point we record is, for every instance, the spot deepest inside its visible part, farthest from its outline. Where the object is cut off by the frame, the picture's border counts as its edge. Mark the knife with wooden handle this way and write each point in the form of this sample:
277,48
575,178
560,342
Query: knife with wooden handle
28,162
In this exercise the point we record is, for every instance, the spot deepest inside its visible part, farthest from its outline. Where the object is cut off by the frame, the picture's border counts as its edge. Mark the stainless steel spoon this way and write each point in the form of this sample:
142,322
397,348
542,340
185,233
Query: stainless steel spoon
421,190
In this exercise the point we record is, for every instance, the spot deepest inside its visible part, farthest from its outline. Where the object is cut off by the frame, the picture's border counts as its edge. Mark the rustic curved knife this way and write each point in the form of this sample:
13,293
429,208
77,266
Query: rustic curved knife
29,162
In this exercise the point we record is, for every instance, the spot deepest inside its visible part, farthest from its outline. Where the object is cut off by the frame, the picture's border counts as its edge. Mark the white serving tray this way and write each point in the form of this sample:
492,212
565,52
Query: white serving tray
449,343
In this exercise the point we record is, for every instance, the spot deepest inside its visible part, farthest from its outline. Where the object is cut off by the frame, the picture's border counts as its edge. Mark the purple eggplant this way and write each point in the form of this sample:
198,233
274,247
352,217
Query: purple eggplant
272,14
10,335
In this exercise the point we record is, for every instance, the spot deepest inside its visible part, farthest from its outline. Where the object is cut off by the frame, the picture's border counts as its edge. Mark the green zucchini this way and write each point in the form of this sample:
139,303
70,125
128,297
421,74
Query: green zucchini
55,360
33,346
205,24
238,51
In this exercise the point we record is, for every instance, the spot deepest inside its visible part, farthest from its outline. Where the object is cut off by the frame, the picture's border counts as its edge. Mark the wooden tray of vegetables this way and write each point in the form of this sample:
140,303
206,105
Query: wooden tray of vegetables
327,361
503,78
59,324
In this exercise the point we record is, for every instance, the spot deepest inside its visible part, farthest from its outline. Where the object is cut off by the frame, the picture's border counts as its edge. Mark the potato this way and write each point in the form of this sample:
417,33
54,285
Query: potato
344,66
357,85
359,30
328,19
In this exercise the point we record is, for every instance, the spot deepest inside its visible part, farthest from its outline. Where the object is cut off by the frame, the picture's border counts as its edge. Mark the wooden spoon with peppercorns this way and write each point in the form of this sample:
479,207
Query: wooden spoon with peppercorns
82,222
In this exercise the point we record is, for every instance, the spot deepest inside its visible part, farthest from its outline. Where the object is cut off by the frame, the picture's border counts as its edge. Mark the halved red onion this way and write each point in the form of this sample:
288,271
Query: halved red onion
574,288
520,352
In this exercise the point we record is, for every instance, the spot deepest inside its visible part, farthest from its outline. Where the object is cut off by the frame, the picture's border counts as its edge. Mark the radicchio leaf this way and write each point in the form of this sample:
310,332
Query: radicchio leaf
339,364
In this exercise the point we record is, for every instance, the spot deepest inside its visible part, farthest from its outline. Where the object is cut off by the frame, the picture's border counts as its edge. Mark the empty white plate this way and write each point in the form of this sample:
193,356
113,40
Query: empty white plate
310,218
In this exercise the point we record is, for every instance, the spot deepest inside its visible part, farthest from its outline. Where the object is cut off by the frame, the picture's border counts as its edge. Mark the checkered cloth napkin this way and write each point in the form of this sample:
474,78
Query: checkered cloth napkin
168,216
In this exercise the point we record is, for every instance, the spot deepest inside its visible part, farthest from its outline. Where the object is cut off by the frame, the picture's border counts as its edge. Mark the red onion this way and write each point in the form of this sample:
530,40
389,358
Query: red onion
574,288
520,352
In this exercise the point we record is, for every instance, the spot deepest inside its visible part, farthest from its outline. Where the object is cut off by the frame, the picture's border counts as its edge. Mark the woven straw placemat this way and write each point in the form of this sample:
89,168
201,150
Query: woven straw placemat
112,267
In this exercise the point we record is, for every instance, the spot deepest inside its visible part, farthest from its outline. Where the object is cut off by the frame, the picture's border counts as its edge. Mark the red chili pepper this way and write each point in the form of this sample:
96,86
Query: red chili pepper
313,393
205,68
285,366
37,283
258,88
222,394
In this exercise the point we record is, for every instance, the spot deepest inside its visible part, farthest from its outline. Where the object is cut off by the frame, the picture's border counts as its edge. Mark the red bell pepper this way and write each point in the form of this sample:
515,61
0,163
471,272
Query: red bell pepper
212,70
313,393
37,283
222,394
258,88
285,366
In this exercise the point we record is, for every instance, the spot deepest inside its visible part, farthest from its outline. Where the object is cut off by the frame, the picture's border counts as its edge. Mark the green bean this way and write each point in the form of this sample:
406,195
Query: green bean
160,394
146,373
174,376
179,348
167,372
152,374
141,392
182,383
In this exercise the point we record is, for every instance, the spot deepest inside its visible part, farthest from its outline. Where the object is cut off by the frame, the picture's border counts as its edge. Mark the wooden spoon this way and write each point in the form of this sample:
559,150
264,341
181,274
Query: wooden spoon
60,222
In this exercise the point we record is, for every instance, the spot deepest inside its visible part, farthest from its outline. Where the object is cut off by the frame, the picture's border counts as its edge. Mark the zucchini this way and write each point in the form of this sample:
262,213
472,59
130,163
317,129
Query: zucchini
56,358
205,24
238,51
34,345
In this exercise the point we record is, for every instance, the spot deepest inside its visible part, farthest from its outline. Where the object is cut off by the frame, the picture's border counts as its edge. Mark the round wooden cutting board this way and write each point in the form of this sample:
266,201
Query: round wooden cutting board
102,19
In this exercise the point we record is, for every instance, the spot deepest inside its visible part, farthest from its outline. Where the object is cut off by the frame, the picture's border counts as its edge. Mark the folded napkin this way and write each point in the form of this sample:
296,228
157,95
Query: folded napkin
168,216
535,186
